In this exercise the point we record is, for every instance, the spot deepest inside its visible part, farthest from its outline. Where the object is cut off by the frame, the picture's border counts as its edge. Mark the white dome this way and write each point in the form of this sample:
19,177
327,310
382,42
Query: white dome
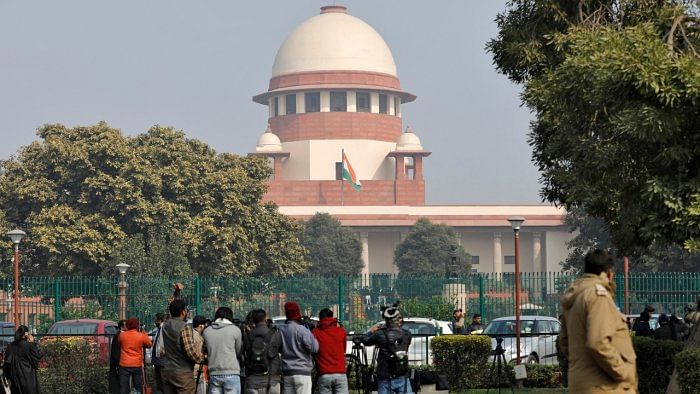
268,142
408,141
334,41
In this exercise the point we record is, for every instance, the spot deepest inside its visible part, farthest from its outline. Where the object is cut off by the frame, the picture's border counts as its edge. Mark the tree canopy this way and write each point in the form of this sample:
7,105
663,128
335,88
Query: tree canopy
615,89
427,250
591,234
330,248
87,195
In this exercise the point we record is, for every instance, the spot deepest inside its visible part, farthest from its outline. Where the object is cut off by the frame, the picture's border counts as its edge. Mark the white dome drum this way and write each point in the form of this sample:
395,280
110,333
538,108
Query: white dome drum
336,41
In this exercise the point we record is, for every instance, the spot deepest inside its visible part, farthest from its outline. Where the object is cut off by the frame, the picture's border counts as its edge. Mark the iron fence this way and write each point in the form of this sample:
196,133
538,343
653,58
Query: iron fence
357,300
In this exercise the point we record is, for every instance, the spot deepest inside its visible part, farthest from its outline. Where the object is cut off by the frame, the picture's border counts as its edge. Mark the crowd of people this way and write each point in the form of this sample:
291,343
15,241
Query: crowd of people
668,328
255,356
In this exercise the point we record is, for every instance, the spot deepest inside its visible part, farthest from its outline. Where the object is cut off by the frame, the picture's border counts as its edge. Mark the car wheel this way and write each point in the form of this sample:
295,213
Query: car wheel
532,359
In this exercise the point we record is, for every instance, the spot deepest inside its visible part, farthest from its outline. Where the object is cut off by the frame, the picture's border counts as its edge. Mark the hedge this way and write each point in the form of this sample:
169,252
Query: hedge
462,358
654,363
72,366
688,369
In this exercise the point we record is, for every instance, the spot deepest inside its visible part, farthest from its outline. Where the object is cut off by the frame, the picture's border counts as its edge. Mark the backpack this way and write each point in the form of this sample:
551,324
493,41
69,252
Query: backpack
397,361
257,353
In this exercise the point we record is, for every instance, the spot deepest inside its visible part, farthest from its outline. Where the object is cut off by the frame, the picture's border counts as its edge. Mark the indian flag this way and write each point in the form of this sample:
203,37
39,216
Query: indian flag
349,174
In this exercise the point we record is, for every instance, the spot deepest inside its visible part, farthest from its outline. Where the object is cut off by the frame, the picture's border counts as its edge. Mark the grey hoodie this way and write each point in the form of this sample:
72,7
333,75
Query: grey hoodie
298,346
223,342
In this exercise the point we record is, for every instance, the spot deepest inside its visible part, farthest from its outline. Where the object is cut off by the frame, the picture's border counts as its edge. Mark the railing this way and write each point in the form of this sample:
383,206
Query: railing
356,300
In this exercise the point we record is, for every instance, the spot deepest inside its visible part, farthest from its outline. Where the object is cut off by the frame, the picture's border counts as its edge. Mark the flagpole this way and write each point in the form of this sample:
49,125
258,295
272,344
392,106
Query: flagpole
342,175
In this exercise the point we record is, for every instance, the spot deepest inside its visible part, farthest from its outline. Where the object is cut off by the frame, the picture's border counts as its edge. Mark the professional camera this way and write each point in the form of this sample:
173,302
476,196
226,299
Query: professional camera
357,340
308,323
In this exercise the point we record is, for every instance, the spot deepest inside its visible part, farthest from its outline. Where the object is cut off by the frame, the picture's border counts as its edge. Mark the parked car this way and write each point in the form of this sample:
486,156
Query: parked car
422,330
7,335
98,332
537,340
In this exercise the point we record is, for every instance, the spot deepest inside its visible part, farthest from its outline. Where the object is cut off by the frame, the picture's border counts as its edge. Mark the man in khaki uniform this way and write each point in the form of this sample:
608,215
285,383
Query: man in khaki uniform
594,335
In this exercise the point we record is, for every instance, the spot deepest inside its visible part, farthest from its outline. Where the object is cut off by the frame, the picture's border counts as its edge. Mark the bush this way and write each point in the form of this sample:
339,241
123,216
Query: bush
542,376
436,307
655,363
688,363
72,366
462,358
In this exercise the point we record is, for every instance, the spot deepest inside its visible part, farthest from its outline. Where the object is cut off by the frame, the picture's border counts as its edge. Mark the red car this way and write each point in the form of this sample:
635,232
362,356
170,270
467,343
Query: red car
99,332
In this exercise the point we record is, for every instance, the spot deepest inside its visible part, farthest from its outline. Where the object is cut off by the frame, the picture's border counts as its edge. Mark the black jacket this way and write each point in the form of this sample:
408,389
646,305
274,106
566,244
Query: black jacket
382,340
20,364
274,349
642,329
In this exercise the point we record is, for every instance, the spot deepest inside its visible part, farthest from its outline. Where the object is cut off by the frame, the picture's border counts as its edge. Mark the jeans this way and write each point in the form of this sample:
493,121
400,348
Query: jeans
126,375
396,385
257,384
335,383
224,384
297,384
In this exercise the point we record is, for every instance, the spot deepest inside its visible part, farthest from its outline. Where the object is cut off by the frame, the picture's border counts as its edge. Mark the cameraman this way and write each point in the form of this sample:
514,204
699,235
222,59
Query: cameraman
298,348
392,362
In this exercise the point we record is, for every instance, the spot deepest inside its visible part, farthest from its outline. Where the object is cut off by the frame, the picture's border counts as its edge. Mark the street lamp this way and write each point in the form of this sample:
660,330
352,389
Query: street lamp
515,223
122,285
16,237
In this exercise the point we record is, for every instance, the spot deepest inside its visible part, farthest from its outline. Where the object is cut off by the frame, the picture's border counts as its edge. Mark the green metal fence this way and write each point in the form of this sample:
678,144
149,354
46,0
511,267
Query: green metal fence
356,300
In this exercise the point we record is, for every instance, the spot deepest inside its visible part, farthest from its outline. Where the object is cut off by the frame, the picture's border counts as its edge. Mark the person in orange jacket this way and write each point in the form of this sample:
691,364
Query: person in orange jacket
132,342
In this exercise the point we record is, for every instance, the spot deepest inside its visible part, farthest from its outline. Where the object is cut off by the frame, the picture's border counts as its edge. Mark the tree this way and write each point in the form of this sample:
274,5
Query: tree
330,248
87,195
427,250
591,234
615,90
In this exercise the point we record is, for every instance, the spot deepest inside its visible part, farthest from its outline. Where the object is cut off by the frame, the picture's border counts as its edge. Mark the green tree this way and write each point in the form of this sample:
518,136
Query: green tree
591,234
427,248
330,248
85,195
615,89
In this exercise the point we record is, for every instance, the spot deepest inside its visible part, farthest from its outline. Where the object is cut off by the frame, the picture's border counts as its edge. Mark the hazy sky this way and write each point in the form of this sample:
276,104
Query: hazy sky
196,64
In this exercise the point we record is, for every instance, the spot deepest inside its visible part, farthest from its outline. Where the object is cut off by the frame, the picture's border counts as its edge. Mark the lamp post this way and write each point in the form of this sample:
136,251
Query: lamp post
16,237
122,285
515,223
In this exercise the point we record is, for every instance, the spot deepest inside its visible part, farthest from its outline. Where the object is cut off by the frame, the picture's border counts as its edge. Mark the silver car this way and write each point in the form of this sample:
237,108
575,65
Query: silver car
538,335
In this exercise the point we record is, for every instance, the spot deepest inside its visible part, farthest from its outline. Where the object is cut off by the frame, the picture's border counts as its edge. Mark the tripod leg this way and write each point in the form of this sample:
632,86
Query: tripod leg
503,357
493,368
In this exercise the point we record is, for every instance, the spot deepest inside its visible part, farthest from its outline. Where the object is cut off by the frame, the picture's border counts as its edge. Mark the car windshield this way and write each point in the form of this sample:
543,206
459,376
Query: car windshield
419,328
73,328
507,327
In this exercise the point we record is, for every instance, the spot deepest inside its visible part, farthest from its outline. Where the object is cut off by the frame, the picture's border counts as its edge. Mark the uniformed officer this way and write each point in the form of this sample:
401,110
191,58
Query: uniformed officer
594,335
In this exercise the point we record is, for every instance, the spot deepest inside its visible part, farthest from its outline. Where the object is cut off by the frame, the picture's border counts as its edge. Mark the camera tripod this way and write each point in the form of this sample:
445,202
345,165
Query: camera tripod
357,367
499,360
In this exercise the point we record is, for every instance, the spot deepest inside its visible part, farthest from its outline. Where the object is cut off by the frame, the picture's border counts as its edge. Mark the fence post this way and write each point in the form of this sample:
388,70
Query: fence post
481,295
198,295
57,300
341,298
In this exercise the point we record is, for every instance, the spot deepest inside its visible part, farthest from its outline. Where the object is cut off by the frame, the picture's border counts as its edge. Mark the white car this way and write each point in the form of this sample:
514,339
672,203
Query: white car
422,330
537,340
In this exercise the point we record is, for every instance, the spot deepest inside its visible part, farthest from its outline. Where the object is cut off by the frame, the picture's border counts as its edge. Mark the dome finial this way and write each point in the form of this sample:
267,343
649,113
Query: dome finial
327,9
408,129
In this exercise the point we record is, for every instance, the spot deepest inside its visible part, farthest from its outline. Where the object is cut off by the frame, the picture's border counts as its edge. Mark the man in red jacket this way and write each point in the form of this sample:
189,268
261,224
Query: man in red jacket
330,359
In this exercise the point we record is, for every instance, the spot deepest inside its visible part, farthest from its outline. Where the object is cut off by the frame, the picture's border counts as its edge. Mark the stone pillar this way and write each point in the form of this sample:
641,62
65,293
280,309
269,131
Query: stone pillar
418,167
497,255
400,168
325,101
364,239
537,261
277,168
